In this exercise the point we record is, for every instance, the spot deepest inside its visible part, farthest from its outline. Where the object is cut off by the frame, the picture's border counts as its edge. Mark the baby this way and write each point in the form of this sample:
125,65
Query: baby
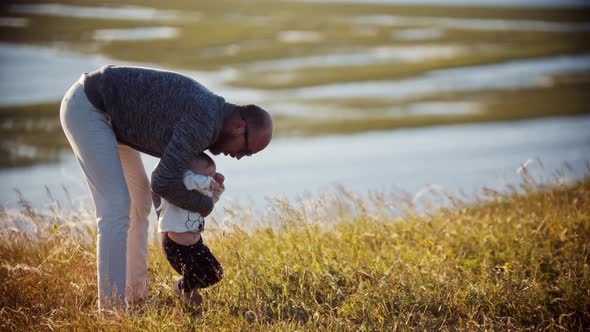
181,234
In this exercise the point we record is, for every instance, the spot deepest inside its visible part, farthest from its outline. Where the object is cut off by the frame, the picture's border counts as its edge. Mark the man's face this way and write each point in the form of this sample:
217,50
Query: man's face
238,140
231,145
236,144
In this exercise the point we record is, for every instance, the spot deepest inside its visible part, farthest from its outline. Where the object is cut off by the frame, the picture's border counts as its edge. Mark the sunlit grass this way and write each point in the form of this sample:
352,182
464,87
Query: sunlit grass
514,261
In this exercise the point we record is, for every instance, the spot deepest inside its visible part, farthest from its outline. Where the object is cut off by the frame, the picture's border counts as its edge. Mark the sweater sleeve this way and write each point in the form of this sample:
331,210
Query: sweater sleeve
190,137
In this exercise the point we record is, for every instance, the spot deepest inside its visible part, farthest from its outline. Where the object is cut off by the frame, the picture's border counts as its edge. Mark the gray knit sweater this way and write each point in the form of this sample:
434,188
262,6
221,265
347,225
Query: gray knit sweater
164,114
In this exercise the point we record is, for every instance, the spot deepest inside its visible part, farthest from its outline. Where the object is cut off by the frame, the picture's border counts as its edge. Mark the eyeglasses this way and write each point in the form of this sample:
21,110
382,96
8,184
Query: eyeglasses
245,151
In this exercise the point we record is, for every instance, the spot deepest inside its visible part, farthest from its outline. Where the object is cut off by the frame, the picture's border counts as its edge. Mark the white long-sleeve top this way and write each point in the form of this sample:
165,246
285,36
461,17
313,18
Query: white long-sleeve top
175,219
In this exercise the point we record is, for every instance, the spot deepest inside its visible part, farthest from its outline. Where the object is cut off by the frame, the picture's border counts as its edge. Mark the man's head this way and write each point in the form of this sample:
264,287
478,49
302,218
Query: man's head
246,131
204,165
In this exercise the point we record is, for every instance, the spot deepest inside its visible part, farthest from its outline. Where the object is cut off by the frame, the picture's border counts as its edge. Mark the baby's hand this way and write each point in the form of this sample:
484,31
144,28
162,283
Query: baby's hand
216,186
216,195
219,178
217,189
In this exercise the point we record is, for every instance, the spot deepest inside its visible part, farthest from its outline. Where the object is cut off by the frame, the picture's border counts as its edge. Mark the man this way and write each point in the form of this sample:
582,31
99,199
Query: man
112,114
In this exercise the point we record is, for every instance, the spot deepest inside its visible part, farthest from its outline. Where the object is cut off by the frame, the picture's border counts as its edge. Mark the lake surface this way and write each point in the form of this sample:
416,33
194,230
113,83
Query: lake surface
103,12
257,59
35,74
451,158
482,3
504,76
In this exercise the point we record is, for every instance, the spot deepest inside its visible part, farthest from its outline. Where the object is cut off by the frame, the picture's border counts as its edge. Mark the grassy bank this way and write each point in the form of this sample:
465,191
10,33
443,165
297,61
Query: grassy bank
336,263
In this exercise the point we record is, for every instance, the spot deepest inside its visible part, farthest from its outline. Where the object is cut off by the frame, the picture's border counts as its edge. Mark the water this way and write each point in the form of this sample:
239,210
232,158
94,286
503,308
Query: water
378,55
135,34
503,76
476,3
98,12
294,36
13,22
437,108
467,157
37,74
417,34
31,74
452,158
472,24
34,74
462,157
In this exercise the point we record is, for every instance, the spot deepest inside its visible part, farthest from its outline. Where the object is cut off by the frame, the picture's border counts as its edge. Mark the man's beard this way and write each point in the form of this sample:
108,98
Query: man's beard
214,149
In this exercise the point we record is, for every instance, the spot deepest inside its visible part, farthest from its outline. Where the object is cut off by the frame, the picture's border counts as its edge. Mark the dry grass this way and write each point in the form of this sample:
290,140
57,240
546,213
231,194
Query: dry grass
518,261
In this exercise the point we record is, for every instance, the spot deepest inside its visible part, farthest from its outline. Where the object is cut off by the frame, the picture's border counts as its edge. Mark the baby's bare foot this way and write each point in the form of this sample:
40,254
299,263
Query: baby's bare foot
193,297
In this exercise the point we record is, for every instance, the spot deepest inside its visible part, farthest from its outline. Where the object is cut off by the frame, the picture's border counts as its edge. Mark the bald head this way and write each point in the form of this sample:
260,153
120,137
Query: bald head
259,124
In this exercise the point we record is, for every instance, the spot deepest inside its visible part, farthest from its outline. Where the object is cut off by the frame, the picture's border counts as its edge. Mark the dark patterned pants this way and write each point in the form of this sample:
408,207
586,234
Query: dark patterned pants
198,267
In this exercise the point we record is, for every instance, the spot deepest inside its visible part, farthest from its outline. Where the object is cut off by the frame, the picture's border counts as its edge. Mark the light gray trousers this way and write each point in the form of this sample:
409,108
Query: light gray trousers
120,191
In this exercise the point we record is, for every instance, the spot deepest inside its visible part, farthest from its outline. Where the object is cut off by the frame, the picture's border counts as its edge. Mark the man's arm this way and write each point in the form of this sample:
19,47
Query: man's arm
157,202
189,139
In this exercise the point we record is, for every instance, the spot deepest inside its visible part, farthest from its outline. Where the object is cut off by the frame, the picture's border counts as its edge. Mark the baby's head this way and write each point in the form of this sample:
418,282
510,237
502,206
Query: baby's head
204,165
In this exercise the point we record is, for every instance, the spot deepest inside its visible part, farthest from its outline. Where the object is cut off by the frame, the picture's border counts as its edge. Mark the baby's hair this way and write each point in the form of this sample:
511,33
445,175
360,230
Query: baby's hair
202,160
